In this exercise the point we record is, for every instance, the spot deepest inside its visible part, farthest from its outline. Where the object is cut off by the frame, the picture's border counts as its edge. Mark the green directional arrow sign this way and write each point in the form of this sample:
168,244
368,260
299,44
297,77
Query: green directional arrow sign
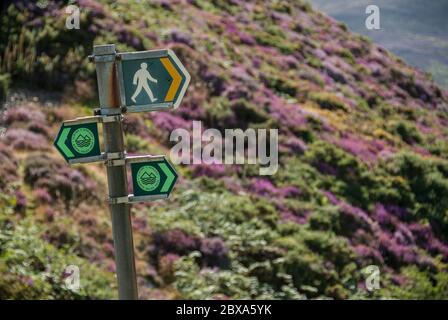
78,142
151,80
155,177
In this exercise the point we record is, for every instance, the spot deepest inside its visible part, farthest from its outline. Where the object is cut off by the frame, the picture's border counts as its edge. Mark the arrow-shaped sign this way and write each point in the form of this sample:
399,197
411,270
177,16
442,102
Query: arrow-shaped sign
152,176
151,80
78,142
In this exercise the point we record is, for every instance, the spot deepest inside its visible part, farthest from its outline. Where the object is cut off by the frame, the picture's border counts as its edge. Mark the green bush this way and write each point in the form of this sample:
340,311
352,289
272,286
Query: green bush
5,80
406,130
275,38
328,101
135,143
281,85
346,174
419,285
193,283
218,112
428,182
31,268
318,261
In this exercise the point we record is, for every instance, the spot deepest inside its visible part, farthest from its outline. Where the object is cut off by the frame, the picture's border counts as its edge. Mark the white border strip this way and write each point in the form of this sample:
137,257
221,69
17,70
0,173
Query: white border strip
187,78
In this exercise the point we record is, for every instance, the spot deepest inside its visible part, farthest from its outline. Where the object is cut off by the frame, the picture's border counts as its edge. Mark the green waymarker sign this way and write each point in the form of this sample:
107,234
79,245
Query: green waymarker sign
78,141
151,80
153,178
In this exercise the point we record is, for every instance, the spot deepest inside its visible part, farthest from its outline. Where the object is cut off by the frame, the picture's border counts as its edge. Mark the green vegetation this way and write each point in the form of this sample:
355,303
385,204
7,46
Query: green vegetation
363,159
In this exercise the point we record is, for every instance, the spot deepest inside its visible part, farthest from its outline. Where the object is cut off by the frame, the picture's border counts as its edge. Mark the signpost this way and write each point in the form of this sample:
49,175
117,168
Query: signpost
152,177
127,82
151,80
78,142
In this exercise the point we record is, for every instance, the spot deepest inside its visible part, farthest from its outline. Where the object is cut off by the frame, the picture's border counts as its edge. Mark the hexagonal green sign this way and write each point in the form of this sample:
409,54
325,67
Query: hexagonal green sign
156,177
151,80
78,141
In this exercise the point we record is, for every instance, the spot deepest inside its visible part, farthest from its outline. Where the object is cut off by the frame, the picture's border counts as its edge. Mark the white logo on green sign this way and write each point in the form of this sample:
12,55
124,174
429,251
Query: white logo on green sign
83,140
148,178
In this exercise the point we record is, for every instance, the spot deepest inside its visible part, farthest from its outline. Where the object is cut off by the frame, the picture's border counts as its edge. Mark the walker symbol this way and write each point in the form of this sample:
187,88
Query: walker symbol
141,78
151,80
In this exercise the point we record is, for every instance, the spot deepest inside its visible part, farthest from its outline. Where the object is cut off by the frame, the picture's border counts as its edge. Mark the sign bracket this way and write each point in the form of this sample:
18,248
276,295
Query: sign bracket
118,200
118,159
93,119
131,198
115,162
110,156
107,111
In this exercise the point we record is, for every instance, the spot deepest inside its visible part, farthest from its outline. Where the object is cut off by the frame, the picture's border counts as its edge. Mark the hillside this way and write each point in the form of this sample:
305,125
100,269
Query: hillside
414,30
363,155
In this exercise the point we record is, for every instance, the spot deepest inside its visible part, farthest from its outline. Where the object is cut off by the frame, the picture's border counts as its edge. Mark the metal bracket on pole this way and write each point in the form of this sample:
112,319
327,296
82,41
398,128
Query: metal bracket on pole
118,200
119,159
147,108
109,111
115,155
103,57
111,118
115,162
135,199
111,156
115,159
93,119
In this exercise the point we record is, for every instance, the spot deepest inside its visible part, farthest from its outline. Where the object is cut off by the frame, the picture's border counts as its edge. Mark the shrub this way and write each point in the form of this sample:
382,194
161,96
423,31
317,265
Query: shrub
407,131
210,170
193,283
176,241
8,166
214,252
62,182
315,260
428,182
328,101
5,80
264,187
218,112
24,114
354,181
135,144
168,121
275,40
34,269
21,201
25,140
43,196
135,125
419,284
247,113
281,85
166,267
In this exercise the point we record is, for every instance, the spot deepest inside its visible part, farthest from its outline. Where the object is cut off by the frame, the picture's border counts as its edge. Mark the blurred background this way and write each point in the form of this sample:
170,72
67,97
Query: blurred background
414,30
363,151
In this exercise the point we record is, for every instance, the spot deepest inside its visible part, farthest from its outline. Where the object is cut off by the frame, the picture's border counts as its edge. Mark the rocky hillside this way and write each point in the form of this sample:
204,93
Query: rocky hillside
363,152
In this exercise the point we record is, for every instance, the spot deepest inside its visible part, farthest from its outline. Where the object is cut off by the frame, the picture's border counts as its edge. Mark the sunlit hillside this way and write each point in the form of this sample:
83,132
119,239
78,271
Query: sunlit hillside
363,155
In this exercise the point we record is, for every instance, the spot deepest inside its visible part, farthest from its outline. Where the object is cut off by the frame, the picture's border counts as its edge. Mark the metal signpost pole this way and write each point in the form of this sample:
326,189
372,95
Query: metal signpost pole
109,99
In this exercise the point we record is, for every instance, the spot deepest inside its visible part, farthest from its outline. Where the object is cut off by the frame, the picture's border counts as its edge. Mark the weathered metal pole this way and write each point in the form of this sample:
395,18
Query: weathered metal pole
106,72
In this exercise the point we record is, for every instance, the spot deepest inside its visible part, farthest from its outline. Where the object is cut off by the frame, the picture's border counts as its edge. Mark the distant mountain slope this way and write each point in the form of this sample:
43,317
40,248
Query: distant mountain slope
363,157
414,30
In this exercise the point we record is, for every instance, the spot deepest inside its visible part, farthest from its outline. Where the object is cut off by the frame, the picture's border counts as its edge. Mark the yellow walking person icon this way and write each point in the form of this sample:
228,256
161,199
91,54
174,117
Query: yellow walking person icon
141,78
